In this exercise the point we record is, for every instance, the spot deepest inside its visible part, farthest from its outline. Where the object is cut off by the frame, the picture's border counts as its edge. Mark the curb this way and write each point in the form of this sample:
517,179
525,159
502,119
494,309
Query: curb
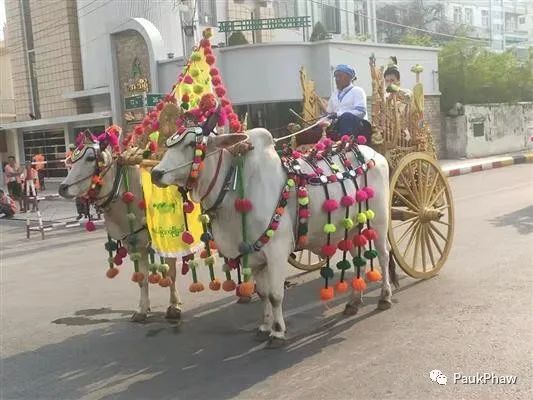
483,166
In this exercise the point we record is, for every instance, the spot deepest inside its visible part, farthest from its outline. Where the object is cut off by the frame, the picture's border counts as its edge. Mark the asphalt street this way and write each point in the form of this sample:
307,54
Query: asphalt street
65,330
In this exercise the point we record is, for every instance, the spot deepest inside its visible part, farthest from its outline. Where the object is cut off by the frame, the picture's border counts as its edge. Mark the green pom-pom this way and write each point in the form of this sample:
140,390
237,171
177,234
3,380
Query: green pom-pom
193,264
110,245
194,72
370,214
196,56
247,272
370,254
185,106
361,218
303,229
303,201
330,228
343,265
269,233
290,182
154,136
135,256
198,89
348,223
327,273
131,216
359,261
210,261
204,218
147,154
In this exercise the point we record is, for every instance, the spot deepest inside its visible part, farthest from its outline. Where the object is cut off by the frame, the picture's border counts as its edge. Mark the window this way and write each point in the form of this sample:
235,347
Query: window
479,129
469,16
522,19
51,144
485,18
331,17
511,23
457,15
207,12
285,8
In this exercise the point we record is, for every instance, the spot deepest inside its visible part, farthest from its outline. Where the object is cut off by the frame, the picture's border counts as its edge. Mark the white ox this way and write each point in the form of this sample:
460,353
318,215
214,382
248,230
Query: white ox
78,183
264,178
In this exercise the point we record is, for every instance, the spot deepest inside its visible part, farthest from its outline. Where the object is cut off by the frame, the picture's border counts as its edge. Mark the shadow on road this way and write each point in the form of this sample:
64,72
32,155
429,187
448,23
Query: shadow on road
211,355
521,219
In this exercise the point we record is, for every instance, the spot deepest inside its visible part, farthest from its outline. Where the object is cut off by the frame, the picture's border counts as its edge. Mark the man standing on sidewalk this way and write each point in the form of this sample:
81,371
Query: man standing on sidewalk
39,162
12,174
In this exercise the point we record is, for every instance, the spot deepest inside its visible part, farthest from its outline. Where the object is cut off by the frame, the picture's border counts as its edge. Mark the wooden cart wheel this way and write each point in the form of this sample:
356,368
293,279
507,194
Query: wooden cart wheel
422,216
307,261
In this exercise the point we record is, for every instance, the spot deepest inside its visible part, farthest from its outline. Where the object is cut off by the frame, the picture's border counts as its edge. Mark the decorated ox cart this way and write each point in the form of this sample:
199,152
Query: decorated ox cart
421,207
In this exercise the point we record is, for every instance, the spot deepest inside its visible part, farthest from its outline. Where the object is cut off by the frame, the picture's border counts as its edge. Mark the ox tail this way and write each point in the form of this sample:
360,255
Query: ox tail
392,270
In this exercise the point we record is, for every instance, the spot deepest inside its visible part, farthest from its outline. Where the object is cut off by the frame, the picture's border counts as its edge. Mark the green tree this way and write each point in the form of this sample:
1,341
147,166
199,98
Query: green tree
319,33
471,74
236,39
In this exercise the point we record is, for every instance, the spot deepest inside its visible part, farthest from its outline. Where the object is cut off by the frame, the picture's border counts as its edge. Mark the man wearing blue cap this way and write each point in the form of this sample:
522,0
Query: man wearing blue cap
348,103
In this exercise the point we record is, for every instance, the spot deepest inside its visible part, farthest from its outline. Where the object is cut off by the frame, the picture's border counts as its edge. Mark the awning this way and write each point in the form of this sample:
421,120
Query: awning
46,122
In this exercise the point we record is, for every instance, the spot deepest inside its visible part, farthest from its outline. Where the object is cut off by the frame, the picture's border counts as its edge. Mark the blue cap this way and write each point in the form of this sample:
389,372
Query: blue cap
347,70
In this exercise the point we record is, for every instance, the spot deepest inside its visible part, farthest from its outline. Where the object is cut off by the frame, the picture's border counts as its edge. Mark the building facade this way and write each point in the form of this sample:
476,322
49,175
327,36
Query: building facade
7,102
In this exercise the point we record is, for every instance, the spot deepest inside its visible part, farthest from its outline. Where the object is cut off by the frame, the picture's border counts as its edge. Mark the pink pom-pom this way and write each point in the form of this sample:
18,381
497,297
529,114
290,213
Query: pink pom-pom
187,237
347,201
369,192
304,213
216,80
320,147
360,240
117,259
146,121
188,207
214,72
360,196
345,245
370,234
155,125
285,195
302,192
233,263
243,205
222,118
296,154
89,226
332,178
274,225
330,205
359,171
153,146
188,80
233,117
210,59
235,126
327,142
361,139
220,91
328,250
225,102
345,139
319,170
139,130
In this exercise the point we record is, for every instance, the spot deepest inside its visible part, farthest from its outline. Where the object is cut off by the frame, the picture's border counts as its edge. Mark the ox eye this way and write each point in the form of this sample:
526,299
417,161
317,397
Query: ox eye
91,158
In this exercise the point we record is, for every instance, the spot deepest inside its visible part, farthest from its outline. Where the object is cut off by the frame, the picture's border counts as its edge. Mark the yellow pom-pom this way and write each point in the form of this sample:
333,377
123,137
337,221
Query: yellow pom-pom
348,223
370,214
303,201
290,182
198,153
361,218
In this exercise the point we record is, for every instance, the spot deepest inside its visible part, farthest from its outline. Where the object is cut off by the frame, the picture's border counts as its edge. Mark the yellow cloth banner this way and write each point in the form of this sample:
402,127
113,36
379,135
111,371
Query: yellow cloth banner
164,217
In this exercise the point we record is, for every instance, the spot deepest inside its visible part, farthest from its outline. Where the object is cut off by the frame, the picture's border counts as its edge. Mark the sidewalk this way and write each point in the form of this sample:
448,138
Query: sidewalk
54,208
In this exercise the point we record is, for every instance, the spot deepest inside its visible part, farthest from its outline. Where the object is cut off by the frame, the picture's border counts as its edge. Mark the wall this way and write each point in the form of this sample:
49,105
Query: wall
506,128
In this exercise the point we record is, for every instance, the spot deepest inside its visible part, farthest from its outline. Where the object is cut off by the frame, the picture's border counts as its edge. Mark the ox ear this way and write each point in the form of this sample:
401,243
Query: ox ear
228,140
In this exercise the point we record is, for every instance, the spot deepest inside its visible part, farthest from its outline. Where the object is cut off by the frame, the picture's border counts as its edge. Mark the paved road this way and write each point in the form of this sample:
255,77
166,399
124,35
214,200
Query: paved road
65,332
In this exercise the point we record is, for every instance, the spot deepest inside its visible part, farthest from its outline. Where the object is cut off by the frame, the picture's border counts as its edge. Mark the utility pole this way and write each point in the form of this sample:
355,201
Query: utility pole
371,20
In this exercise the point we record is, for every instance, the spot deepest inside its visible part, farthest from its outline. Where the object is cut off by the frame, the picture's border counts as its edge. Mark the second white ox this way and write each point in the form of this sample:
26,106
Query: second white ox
264,178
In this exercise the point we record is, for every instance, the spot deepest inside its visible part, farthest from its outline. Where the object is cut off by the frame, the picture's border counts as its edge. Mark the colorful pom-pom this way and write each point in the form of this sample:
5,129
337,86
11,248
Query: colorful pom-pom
290,182
163,268
229,285
303,201
370,214
90,226
347,223
326,293
343,265
370,234
187,237
122,252
304,213
302,192
330,228
361,218
360,196
215,285
358,284
373,276
128,197
347,201
360,241
188,207
269,233
112,272
243,205
154,278
165,282
196,287
370,254
246,289
361,139
345,245
341,287
210,261
330,205
188,80
369,192
137,277
204,218
359,261
328,250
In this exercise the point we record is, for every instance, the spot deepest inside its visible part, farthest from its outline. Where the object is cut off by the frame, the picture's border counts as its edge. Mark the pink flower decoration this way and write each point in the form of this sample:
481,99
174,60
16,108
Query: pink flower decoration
302,192
214,72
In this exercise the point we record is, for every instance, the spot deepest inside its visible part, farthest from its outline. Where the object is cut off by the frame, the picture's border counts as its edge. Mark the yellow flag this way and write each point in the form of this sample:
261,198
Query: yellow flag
164,217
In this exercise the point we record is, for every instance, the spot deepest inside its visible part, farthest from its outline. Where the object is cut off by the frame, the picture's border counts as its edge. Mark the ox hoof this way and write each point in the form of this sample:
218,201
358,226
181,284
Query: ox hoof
173,313
275,342
350,310
262,336
244,300
384,305
139,317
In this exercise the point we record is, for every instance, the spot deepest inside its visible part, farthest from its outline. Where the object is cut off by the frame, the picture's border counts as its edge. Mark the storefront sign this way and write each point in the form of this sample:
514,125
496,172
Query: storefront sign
133,102
264,24
153,98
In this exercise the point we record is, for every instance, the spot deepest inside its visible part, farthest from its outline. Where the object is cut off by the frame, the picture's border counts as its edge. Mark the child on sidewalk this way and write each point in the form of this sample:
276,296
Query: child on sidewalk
30,177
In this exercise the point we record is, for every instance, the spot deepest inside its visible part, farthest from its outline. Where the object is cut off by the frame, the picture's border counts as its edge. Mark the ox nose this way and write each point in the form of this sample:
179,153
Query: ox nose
63,190
157,175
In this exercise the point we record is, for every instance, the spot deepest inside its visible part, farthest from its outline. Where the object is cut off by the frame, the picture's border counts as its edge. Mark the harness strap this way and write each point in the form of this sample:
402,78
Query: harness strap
114,189
214,180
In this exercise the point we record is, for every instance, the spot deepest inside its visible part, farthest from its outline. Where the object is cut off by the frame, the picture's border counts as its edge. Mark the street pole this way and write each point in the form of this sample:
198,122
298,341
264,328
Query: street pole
374,23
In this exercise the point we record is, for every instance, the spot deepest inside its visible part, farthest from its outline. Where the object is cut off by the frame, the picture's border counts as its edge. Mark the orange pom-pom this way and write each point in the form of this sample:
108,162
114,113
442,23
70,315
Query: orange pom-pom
111,272
196,287
194,174
359,284
137,277
303,241
154,278
229,285
246,289
214,285
341,287
373,276
280,210
165,282
326,293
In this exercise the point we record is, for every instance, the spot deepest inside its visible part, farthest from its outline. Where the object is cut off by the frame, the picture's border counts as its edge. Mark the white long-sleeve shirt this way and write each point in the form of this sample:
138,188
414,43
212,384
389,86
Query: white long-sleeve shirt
351,99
